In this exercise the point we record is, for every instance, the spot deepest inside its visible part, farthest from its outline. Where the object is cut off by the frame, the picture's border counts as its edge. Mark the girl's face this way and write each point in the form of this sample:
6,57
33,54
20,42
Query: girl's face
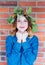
22,23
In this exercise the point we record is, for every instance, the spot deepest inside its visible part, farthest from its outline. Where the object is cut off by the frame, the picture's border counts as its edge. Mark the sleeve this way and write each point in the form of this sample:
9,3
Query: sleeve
17,47
12,56
8,45
31,53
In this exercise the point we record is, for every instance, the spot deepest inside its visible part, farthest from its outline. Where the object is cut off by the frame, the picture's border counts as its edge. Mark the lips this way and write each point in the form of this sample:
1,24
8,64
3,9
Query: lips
21,27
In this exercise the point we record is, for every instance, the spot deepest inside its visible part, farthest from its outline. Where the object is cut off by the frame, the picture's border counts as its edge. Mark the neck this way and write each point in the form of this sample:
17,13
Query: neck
21,32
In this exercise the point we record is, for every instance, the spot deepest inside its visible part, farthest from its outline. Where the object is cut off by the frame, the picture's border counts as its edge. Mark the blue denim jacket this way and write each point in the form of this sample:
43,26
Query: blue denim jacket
25,56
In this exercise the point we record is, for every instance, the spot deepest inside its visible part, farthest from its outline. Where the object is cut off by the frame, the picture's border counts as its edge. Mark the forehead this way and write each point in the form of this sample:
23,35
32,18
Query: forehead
21,17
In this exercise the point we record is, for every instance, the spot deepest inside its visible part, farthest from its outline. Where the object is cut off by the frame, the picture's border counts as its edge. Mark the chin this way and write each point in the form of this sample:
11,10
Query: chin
22,31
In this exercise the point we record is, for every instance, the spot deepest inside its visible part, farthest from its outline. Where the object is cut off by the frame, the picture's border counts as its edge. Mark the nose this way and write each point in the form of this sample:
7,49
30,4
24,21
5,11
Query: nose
22,22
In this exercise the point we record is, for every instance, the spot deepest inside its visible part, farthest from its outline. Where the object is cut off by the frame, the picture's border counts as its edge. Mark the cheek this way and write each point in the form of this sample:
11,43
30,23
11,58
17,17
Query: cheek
26,25
18,25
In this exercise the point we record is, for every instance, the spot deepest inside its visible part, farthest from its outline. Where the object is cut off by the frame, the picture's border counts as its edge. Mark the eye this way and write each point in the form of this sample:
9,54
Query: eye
18,20
25,20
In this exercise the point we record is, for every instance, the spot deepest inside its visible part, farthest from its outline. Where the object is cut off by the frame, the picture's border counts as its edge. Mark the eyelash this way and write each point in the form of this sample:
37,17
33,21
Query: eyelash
18,21
25,21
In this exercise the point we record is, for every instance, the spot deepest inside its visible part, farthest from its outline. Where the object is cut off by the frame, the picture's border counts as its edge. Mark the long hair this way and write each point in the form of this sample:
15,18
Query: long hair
14,27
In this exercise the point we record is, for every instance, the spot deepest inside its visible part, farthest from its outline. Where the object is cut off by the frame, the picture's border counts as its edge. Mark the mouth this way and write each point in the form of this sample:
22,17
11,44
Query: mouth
21,27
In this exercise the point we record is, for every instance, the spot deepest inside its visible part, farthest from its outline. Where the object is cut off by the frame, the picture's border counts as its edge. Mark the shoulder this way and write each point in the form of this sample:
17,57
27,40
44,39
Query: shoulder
34,37
34,40
9,38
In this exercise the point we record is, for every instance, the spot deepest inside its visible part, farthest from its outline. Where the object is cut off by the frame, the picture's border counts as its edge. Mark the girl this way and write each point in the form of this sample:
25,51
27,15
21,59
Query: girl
21,47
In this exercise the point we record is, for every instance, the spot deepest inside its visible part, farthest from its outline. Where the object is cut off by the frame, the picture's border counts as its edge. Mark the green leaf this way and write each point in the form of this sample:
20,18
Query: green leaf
32,19
29,11
34,28
15,9
10,19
